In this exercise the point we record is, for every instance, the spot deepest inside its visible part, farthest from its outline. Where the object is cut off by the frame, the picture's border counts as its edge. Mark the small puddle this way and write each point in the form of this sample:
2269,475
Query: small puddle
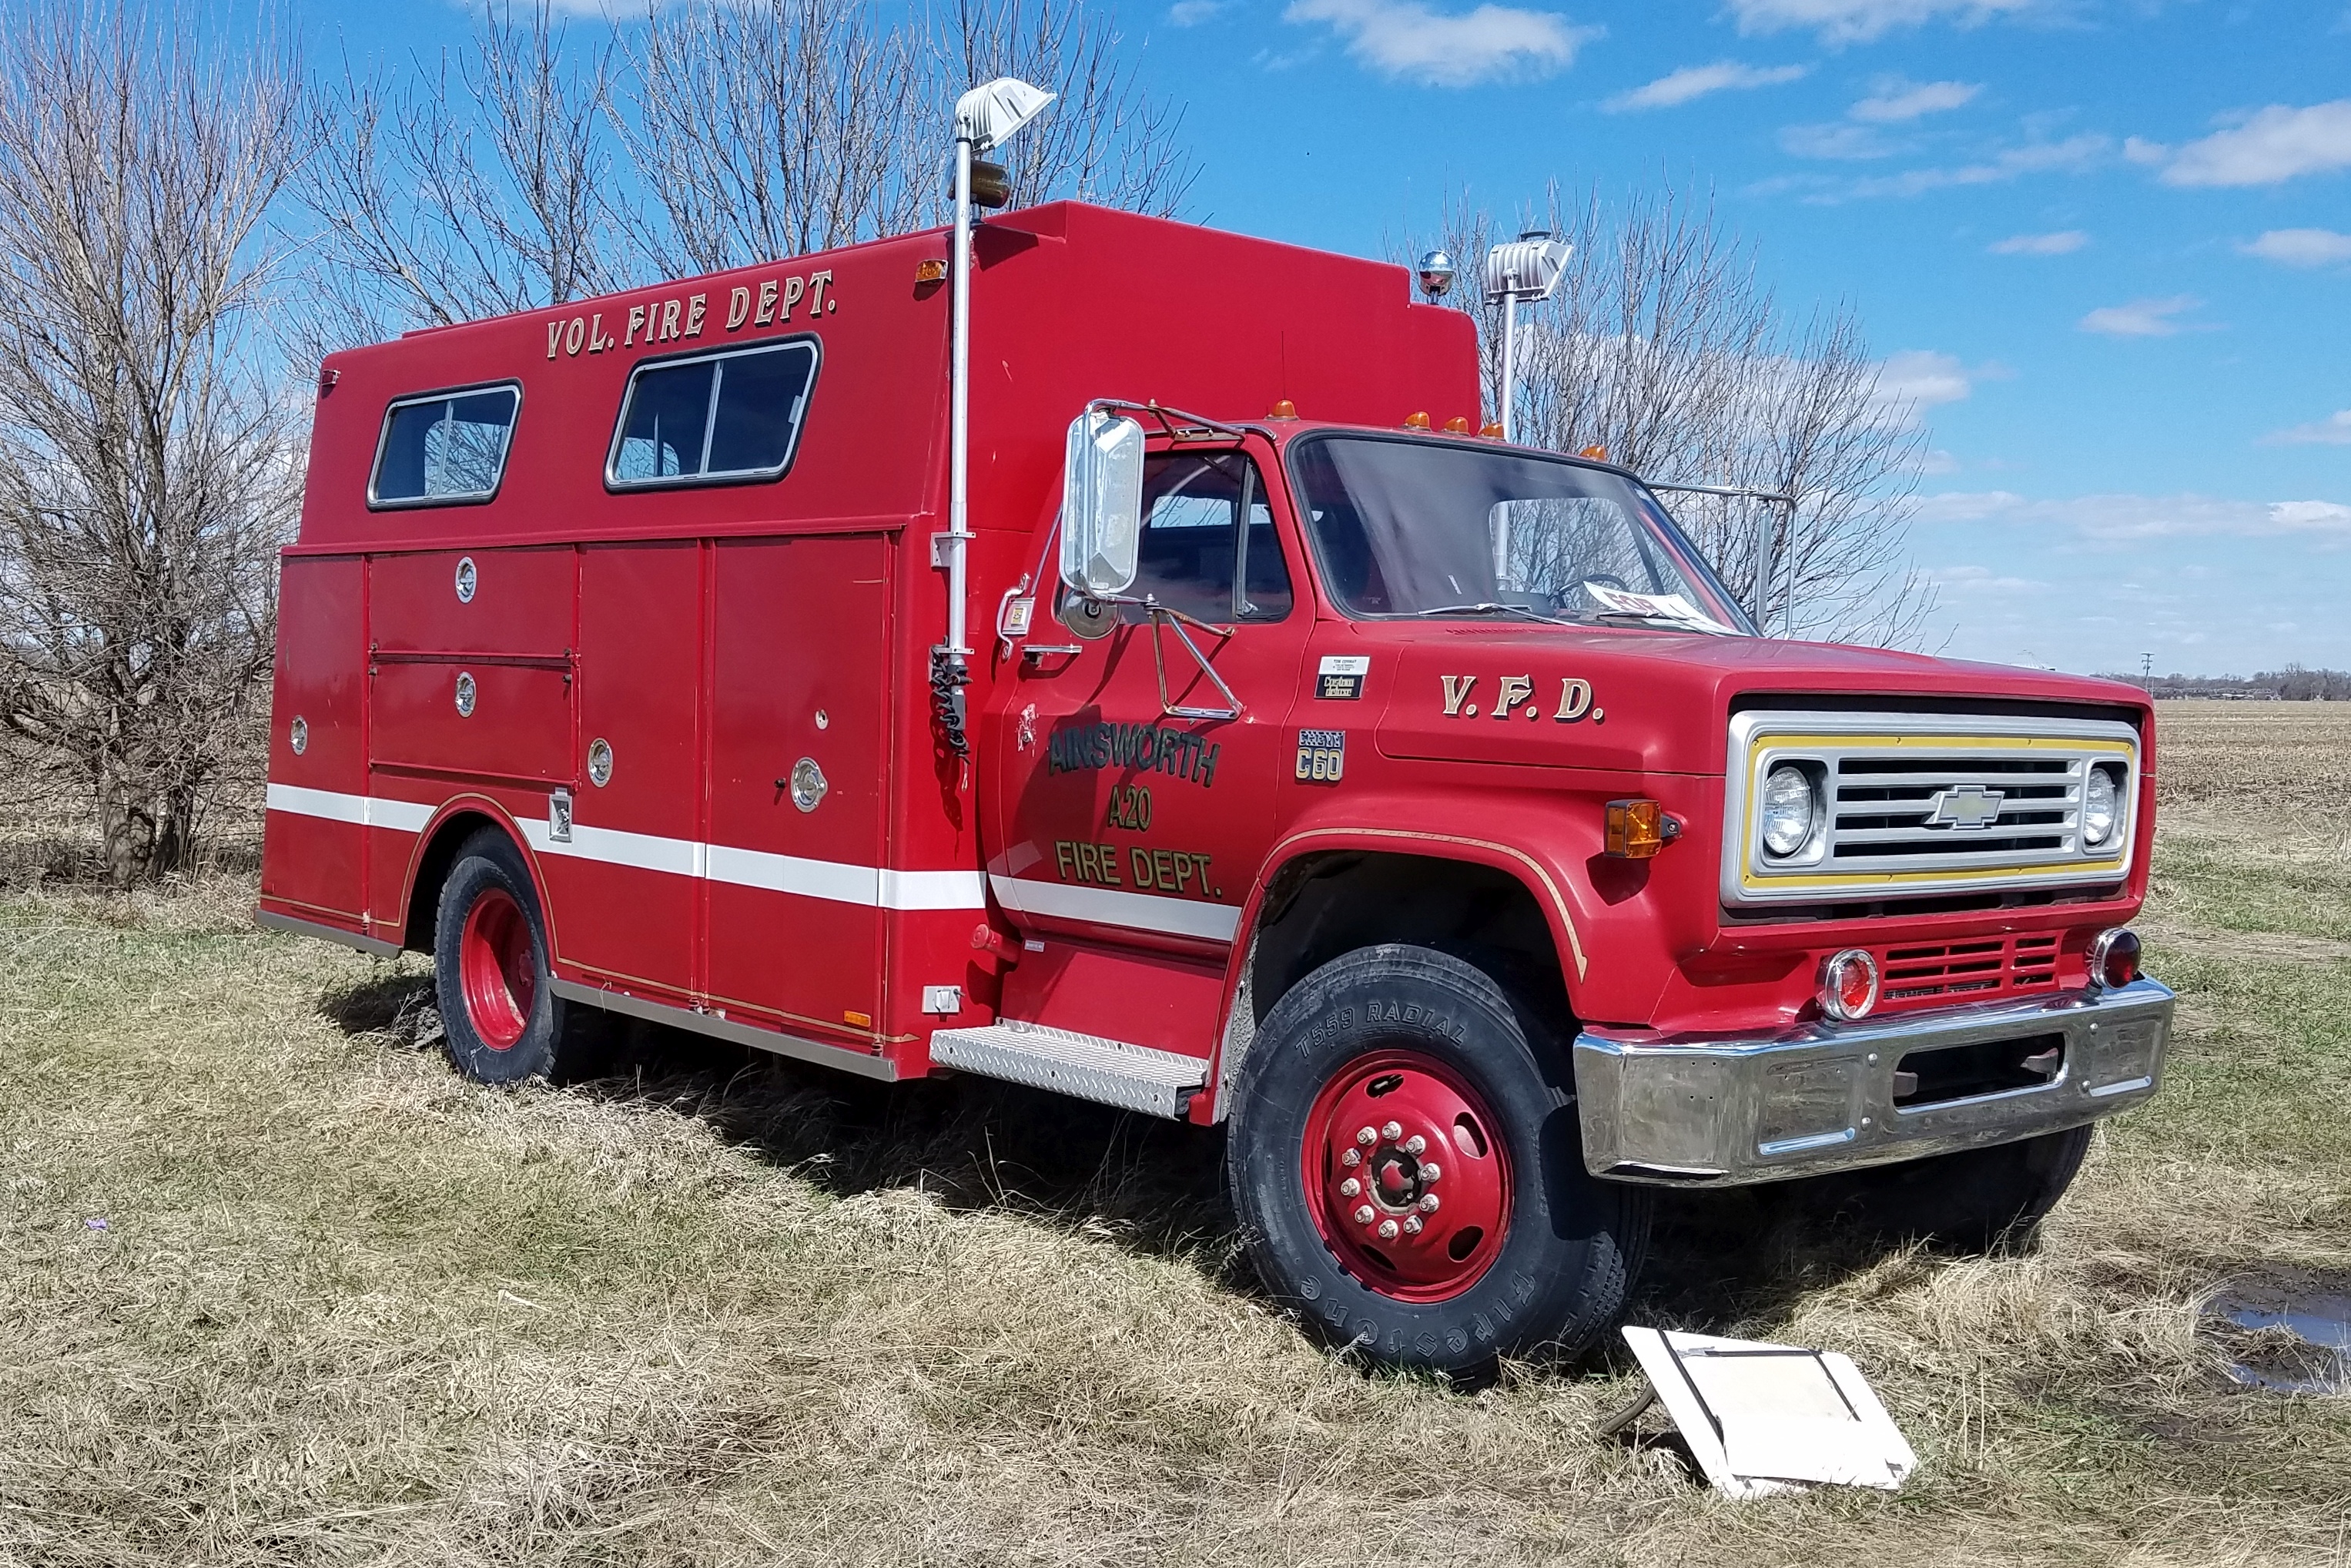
2293,1336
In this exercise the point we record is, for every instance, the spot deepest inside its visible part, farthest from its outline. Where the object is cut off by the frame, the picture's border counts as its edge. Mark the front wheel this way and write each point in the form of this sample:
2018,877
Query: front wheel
1404,1157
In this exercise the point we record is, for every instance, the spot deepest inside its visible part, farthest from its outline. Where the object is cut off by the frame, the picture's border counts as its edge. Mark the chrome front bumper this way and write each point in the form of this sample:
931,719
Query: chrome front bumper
1729,1112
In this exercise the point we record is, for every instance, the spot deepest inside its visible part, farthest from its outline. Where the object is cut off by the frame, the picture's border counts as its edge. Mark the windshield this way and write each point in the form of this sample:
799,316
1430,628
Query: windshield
1426,528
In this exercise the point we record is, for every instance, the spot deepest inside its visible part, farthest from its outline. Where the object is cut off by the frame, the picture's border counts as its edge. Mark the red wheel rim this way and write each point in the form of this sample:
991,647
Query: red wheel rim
1407,1176
496,968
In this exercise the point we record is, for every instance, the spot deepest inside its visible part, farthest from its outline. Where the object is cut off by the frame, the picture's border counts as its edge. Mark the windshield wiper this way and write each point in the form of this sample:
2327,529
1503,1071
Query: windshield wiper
1489,609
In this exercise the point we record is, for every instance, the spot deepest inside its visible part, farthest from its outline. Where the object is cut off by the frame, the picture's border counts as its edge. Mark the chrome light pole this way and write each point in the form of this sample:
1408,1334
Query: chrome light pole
986,118
1528,267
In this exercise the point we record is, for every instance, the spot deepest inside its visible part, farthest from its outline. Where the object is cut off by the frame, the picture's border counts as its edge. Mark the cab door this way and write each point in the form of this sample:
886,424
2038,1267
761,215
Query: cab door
1134,777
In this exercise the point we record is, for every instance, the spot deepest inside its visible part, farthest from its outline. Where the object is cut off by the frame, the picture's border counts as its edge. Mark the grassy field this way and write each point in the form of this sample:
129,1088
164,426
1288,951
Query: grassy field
277,1287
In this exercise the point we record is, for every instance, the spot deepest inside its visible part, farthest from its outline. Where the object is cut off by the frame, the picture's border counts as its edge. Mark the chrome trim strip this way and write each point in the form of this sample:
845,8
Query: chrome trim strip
1808,1101
1107,907
768,1040
374,946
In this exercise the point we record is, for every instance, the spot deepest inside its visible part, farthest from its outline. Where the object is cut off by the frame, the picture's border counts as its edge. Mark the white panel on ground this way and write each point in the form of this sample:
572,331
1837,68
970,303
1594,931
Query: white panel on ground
1760,1418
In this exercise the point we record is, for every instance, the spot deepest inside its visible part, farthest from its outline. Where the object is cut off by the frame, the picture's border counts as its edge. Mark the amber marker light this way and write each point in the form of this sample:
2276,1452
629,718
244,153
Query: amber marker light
1849,985
1492,429
1416,420
1637,829
1285,409
1456,425
930,269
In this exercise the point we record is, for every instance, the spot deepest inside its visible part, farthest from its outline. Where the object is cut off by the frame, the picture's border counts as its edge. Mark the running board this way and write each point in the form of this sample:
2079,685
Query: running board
1133,1077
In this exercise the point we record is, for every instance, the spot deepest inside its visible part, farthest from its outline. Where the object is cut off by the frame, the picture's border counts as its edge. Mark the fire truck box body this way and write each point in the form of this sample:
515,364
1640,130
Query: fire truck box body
703,712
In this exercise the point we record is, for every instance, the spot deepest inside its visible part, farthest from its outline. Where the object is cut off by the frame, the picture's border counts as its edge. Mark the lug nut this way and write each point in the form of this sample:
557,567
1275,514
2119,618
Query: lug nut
1367,1137
1363,1214
1392,1132
1351,1158
1415,1144
1429,1204
1428,1171
1351,1188
1387,1230
1411,1225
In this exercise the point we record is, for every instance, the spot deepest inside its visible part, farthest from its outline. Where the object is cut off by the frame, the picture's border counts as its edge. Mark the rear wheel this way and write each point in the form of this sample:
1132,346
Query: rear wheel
499,1013
1404,1157
1972,1201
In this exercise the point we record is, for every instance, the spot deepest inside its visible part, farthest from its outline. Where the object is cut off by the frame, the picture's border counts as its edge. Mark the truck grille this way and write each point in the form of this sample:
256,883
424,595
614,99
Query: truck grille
1979,970
1926,803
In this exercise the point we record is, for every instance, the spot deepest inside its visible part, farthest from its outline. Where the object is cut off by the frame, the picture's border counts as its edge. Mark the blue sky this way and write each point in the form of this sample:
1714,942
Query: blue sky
2106,244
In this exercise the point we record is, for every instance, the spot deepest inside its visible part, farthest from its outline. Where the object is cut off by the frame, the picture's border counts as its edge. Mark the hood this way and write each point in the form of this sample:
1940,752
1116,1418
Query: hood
1659,701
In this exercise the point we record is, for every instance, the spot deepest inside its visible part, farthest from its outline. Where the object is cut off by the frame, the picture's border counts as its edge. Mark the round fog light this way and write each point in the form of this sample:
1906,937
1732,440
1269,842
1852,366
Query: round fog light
1849,985
2114,957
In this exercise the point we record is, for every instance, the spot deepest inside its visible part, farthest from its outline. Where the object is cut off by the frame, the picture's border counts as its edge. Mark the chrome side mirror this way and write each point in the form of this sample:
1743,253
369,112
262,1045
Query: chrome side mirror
1102,504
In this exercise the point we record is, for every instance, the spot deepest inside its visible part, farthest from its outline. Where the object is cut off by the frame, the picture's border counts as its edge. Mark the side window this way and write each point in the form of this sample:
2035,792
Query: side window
448,447
713,418
1195,547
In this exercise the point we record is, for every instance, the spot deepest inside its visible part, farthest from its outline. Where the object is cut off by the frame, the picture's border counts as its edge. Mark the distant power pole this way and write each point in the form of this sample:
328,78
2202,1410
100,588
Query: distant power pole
2146,668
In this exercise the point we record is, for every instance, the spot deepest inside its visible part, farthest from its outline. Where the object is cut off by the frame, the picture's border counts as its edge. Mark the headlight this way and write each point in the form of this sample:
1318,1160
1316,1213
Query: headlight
2099,812
1788,809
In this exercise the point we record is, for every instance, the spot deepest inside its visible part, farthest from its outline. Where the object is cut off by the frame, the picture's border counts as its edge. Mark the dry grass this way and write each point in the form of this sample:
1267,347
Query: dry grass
346,1308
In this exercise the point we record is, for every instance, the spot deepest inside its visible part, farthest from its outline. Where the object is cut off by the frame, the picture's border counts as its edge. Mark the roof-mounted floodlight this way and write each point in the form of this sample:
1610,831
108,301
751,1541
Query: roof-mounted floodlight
1528,267
989,114
1435,269
986,117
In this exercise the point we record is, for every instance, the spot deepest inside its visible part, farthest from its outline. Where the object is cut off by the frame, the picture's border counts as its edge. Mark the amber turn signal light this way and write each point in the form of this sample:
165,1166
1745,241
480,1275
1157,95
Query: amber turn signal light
1639,829
930,269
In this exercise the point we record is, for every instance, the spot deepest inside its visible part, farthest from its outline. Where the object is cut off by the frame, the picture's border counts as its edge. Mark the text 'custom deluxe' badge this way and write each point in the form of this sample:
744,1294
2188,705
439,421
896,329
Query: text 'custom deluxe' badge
1340,677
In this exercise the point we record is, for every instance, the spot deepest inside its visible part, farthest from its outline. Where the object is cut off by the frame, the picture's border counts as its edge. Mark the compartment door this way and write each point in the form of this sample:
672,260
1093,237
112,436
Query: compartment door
800,687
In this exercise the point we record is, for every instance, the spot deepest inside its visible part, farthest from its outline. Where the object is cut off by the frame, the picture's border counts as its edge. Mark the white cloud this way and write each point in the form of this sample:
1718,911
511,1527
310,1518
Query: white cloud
1407,39
2139,150
2073,155
1192,13
2274,145
1838,142
2140,318
2063,242
1922,378
1984,580
2300,247
2123,517
1856,21
1695,81
2335,430
1898,101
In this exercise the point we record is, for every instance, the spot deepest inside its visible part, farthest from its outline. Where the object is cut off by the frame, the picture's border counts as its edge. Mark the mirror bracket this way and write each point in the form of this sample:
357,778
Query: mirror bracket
1160,614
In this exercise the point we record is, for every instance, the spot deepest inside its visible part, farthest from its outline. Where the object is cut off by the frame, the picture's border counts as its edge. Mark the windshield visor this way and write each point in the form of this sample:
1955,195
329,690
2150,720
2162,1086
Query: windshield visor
1410,527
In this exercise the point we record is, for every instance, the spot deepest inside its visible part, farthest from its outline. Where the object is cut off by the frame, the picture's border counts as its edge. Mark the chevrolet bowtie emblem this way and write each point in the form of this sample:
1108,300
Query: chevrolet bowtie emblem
1965,808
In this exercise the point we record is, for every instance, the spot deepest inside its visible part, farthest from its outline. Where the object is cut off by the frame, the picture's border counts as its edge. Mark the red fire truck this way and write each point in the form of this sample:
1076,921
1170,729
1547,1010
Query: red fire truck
1192,708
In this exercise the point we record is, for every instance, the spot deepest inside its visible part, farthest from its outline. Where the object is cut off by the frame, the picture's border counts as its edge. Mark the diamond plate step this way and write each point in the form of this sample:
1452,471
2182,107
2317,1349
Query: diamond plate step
1135,1077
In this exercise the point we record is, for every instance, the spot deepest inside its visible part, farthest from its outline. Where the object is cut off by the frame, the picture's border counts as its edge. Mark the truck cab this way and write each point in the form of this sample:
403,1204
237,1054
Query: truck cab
1421,809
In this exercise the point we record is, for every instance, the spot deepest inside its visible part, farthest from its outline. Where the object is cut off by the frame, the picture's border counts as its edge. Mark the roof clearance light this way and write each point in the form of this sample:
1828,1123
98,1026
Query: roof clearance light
1637,829
1490,428
1416,420
1283,409
1457,425
1849,985
2114,957
1596,453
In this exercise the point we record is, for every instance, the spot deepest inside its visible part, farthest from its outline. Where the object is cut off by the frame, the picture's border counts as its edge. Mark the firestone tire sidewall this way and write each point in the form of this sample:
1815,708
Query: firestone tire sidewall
489,862
1563,1271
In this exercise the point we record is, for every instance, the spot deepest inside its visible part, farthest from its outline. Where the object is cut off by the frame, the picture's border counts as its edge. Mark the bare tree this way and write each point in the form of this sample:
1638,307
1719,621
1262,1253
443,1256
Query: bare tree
464,188
147,472
1661,350
771,127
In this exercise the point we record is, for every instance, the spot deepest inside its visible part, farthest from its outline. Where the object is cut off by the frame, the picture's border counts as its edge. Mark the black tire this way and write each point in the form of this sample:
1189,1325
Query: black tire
1978,1200
550,1043
1573,1243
